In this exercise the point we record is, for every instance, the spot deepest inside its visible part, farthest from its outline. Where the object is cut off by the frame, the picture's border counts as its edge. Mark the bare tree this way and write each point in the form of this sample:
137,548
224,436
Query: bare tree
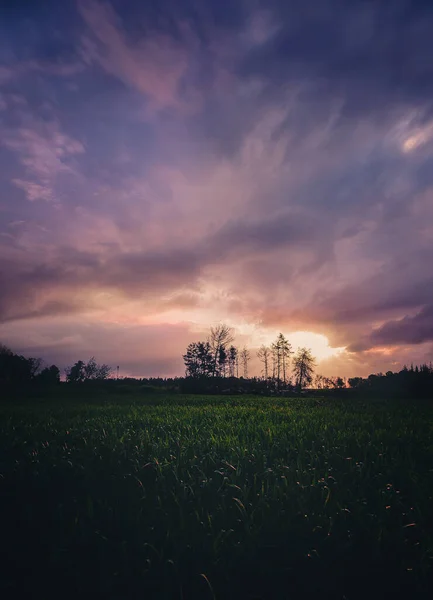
93,370
220,337
303,367
245,357
285,351
276,362
264,355
281,351
323,383
320,382
82,371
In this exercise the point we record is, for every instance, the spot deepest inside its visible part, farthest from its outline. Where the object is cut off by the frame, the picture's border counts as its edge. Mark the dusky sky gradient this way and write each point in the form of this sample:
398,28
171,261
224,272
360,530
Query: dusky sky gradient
167,165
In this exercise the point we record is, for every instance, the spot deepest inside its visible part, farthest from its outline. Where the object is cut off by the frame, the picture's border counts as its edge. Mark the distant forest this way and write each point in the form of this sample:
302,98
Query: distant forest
217,366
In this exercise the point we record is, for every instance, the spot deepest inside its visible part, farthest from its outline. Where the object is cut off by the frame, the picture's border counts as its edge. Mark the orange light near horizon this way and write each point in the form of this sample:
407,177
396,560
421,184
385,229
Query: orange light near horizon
317,342
384,350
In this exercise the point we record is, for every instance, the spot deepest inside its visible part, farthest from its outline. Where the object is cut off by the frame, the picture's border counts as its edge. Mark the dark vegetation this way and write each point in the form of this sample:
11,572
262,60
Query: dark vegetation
170,496
215,485
216,366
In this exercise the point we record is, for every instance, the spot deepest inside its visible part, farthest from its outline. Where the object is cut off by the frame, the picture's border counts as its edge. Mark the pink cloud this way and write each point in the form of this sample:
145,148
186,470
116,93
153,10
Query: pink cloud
34,191
139,350
45,152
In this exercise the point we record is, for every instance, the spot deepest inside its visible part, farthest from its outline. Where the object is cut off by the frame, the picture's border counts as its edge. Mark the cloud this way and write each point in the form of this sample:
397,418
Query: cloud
147,350
268,167
34,191
154,66
411,329
418,137
21,69
45,152
355,49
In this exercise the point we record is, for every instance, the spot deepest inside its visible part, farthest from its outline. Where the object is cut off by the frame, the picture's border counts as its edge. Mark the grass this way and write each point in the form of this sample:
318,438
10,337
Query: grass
182,497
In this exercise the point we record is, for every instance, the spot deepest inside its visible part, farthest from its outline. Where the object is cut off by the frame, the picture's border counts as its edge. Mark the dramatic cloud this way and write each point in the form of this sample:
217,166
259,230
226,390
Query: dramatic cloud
414,329
169,165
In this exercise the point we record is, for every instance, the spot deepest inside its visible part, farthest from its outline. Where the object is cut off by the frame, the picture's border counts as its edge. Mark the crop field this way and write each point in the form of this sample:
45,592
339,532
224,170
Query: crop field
183,497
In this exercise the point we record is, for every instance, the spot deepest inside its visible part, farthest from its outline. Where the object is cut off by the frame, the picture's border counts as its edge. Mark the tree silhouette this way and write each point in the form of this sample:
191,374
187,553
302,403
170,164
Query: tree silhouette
199,360
91,370
75,374
232,360
15,368
245,358
285,351
281,351
276,360
303,367
264,355
355,382
220,337
222,361
49,375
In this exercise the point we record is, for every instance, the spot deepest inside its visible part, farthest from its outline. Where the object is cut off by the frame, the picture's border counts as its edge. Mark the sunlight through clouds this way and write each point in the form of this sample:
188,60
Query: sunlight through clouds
318,343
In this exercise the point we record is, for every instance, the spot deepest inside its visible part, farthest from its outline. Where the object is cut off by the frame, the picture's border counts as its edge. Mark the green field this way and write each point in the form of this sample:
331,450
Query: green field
183,497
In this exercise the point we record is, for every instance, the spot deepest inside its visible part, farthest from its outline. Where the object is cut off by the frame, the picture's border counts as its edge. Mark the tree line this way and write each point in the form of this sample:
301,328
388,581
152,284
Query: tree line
410,382
217,365
217,356
15,368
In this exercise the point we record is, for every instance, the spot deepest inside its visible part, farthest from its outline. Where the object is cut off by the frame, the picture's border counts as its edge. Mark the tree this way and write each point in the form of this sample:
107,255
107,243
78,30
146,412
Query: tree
245,357
340,383
220,337
222,361
322,382
35,365
276,360
356,382
198,360
264,354
91,370
333,383
303,367
49,375
15,368
75,374
232,360
285,351
281,350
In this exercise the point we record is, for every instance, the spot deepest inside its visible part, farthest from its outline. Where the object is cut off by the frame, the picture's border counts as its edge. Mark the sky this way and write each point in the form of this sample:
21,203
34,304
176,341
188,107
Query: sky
172,164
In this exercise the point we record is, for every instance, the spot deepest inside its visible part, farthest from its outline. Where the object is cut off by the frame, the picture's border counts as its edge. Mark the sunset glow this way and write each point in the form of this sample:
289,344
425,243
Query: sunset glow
162,173
318,343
